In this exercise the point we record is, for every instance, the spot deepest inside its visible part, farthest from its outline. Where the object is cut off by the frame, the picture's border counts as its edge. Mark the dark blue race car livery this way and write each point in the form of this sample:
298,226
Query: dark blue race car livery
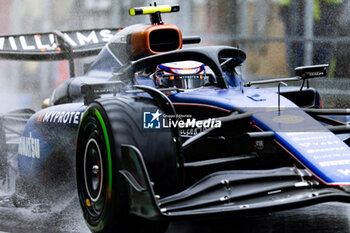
141,154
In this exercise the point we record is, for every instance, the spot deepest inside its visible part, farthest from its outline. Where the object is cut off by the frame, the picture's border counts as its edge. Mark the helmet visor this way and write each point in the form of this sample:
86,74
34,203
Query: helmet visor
183,81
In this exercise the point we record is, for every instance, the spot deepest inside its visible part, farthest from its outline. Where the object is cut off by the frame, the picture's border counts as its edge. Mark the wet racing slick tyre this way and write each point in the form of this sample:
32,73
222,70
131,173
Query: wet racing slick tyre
106,125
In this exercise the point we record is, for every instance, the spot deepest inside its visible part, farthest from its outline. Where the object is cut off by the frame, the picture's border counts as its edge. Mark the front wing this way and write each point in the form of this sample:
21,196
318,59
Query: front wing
226,192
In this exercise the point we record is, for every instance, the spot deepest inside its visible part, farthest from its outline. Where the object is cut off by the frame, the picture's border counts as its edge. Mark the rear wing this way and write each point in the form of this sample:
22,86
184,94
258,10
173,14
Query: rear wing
57,45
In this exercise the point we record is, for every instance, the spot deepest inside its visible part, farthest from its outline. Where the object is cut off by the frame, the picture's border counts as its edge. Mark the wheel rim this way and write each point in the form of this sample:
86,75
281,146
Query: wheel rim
93,177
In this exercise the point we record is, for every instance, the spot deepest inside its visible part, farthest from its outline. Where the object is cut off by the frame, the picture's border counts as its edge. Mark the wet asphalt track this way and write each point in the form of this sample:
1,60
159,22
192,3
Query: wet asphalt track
66,217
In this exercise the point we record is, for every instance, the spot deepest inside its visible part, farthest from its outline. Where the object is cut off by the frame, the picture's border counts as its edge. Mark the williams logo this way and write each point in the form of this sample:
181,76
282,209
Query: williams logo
151,120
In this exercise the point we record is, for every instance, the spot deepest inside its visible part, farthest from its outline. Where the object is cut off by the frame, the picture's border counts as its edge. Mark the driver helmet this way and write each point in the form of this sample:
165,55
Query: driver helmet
184,74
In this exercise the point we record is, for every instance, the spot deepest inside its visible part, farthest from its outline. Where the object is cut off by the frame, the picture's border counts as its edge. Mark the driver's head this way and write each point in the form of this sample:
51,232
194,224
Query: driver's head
184,74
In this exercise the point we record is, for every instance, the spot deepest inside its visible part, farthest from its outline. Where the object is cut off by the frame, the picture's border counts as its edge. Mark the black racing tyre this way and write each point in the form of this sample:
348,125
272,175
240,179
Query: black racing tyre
106,125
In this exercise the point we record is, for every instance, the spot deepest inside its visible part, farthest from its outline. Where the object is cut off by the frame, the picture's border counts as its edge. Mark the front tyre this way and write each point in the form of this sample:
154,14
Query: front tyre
106,125
94,177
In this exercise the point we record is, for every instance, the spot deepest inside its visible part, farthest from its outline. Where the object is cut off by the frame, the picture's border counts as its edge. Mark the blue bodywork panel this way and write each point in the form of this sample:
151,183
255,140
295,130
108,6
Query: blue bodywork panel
51,130
320,151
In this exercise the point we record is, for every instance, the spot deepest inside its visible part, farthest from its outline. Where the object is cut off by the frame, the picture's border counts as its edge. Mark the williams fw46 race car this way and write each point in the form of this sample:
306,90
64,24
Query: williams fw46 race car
154,132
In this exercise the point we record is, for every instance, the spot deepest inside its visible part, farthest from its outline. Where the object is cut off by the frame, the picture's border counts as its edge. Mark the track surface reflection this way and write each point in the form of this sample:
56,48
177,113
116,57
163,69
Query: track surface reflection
66,217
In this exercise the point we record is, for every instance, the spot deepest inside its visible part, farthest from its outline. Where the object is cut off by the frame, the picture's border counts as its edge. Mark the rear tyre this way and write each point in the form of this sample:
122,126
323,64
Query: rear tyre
106,125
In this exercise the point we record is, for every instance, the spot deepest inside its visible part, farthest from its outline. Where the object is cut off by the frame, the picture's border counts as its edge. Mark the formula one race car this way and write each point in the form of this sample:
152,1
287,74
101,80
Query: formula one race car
154,132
